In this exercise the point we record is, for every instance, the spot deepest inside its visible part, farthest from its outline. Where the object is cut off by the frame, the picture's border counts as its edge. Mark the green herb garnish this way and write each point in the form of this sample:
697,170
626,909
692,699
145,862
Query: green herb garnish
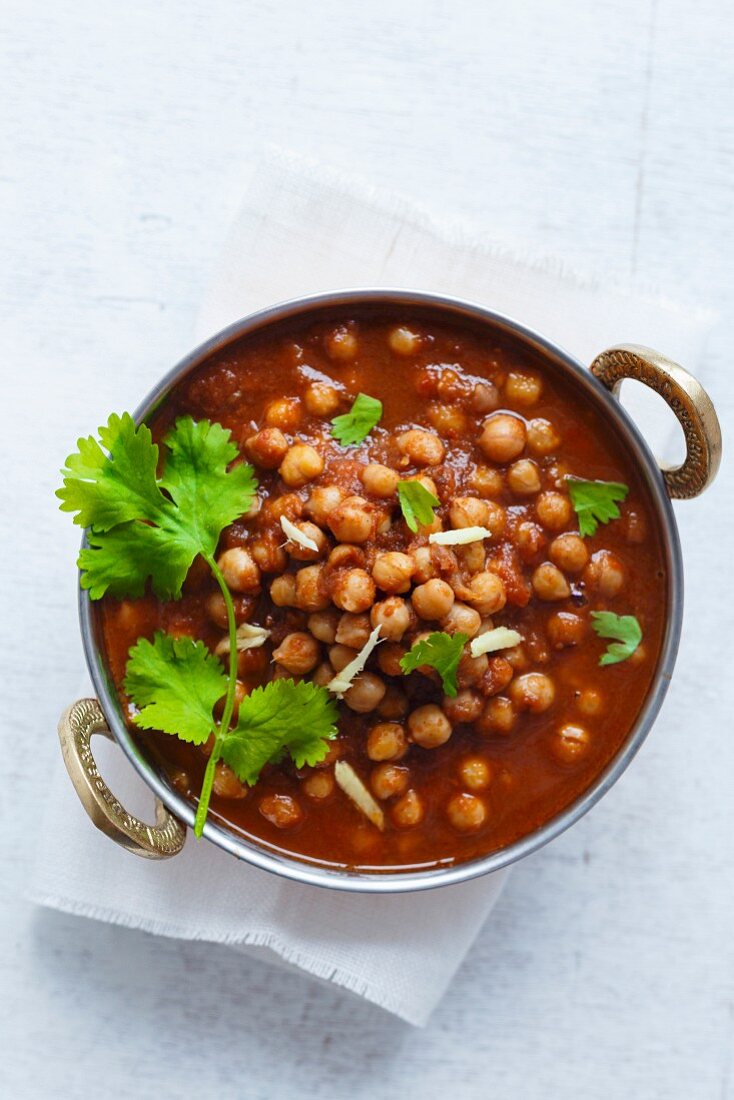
595,502
356,425
143,527
441,651
417,504
626,631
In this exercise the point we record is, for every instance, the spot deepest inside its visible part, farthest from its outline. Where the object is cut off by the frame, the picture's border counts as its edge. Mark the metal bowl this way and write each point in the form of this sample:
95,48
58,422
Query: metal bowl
598,384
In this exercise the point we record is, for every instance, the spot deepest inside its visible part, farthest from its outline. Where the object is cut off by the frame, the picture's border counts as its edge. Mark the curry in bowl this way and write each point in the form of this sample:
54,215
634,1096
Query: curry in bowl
441,550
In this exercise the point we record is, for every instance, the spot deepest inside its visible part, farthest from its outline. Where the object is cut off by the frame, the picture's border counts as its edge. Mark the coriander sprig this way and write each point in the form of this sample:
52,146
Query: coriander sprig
145,527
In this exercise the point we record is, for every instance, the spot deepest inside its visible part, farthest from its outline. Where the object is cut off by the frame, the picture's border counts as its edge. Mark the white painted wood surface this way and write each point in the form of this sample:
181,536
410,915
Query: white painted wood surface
600,133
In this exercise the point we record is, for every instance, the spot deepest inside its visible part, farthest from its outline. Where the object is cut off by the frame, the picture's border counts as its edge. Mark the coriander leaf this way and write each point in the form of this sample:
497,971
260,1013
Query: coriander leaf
626,631
175,683
209,496
595,502
417,504
107,489
441,651
121,560
356,425
138,531
298,717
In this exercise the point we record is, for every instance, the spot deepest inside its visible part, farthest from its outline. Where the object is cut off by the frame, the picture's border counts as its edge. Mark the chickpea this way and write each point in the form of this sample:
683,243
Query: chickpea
298,653
288,504
472,557
503,437
517,657
311,531
408,811
421,447
283,590
341,343
226,784
424,566
388,780
523,477
353,590
386,741
284,413
433,600
452,386
389,657
469,512
549,582
533,691
352,520
366,693
529,540
486,482
392,616
379,480
466,706
323,625
447,419
554,510
487,593
280,810
475,773
403,341
345,556
604,574
543,439
497,677
392,571
267,448
268,554
310,592
239,570
590,702
485,398
565,629
466,812
323,674
429,727
462,619
341,655
471,670
569,553
301,464
318,786
322,502
496,520
570,742
353,630
499,715
523,389
321,399
394,704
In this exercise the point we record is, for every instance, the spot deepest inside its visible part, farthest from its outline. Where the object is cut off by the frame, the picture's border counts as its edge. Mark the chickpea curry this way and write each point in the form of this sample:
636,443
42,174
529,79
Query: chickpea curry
452,544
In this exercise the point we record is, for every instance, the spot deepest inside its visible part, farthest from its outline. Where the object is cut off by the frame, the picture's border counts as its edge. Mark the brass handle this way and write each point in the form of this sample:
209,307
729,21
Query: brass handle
77,725
685,395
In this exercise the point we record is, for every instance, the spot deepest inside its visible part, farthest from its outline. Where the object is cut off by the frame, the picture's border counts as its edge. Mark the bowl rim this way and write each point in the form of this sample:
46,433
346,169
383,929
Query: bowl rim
313,873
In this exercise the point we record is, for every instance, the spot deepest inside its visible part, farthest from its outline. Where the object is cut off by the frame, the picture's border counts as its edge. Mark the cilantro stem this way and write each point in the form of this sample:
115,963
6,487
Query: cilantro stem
223,727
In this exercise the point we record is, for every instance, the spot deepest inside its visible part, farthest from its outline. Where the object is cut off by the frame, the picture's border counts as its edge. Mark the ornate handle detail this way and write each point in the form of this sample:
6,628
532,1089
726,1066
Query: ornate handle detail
76,727
686,397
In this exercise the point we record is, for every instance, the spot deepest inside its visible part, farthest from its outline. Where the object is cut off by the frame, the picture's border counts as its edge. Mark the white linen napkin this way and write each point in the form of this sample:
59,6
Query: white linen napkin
303,229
